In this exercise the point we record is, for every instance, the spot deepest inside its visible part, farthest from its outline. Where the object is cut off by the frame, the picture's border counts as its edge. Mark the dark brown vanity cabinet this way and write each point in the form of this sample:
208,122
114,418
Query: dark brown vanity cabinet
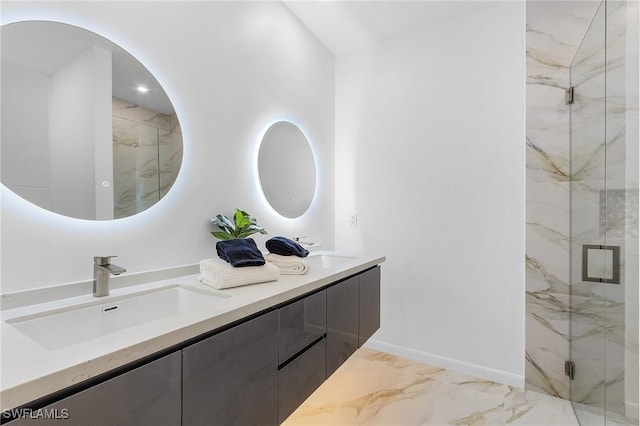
147,395
302,351
231,378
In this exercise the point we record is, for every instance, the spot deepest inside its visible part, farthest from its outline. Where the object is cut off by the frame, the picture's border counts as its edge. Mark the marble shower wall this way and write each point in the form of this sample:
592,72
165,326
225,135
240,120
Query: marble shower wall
147,154
554,32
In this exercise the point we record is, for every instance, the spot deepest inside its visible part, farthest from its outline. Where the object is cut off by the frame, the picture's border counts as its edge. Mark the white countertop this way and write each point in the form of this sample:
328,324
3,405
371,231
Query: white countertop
30,371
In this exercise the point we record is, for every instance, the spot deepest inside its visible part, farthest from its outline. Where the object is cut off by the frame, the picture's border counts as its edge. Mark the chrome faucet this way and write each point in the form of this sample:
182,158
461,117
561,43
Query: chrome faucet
300,241
102,270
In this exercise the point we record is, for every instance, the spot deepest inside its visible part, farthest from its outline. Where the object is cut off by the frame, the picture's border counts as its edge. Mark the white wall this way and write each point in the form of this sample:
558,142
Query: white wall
230,69
430,154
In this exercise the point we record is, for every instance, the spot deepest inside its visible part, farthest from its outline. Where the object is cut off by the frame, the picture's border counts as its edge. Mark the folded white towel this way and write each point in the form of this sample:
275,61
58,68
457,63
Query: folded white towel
288,265
219,274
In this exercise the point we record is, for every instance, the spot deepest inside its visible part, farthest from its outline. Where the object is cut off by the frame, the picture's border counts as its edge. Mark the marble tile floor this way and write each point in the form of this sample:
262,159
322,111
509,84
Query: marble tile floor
375,388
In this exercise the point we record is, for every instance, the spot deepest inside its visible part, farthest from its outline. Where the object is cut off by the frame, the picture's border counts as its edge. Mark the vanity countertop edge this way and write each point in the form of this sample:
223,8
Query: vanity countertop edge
30,371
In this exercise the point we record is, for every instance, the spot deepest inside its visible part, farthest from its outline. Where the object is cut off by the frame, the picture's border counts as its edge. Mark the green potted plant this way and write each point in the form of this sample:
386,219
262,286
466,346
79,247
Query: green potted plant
242,225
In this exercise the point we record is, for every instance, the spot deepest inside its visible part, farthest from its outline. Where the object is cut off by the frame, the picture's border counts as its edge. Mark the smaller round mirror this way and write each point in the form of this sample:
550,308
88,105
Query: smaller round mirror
287,169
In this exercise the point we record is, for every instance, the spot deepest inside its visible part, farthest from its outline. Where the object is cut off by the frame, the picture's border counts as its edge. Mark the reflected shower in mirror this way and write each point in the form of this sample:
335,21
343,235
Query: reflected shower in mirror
87,131
287,169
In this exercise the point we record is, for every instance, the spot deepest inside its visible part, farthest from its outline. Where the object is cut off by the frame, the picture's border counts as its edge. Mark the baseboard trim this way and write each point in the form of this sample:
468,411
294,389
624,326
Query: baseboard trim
498,376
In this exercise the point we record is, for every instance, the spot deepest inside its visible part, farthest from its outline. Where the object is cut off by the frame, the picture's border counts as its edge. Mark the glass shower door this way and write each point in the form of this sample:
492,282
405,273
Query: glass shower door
588,181
604,228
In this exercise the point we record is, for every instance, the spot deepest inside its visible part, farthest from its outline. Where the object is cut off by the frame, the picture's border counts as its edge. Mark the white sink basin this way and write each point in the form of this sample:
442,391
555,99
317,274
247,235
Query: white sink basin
326,260
67,326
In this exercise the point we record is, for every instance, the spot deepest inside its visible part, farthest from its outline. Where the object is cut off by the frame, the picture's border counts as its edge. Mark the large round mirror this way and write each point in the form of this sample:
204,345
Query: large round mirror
87,131
287,169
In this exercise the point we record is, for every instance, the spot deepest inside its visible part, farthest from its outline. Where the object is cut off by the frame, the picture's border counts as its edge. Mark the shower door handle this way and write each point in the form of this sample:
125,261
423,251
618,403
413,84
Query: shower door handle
601,264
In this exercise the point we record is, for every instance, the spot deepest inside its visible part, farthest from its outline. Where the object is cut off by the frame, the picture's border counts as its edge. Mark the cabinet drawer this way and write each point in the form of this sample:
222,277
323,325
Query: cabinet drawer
298,379
302,323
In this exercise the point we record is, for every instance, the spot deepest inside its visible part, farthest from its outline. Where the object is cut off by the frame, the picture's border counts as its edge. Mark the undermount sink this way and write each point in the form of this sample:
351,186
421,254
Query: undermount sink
67,326
327,260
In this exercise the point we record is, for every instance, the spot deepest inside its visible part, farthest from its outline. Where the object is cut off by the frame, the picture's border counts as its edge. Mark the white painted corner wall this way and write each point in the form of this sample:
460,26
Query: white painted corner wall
430,130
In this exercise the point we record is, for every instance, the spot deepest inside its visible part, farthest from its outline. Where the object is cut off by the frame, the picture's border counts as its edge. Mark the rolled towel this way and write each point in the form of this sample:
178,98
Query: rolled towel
240,252
219,274
286,247
288,265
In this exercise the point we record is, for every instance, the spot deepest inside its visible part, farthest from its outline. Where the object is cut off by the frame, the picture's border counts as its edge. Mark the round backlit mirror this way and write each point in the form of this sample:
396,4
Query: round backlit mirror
87,131
287,169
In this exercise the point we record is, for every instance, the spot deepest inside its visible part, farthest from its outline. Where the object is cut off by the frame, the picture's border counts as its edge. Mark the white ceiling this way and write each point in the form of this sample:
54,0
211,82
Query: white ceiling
347,26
